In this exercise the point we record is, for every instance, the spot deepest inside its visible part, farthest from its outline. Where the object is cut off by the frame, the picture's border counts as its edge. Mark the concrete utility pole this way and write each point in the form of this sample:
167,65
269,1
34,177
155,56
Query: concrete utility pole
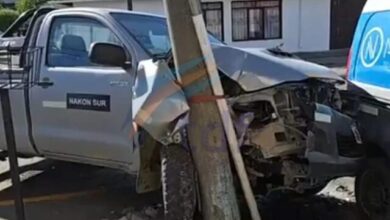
209,115
210,118
206,133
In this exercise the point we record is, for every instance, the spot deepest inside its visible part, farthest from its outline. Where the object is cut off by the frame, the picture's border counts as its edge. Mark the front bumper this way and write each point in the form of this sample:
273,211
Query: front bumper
323,144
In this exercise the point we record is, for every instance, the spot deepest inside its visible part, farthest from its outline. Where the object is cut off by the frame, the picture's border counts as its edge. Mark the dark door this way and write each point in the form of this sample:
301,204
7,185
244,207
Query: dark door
344,17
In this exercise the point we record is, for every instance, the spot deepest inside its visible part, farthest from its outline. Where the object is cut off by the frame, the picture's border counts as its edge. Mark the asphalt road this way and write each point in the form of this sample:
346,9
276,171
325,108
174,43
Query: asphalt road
63,191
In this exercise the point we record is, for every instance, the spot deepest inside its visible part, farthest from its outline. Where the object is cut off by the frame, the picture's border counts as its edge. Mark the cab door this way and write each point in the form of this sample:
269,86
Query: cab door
86,114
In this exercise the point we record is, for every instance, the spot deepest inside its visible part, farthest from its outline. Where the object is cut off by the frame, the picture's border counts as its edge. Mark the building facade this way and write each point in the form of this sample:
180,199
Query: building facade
7,3
294,25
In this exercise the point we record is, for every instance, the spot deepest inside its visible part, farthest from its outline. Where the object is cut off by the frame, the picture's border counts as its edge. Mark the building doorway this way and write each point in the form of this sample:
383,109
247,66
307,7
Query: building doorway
344,17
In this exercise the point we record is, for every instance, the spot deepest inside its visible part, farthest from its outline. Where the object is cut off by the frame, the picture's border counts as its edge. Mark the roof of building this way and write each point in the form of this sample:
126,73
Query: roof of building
74,1
7,1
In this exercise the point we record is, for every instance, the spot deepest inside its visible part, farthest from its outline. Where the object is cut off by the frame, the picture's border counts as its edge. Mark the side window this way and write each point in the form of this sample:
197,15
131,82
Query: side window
71,38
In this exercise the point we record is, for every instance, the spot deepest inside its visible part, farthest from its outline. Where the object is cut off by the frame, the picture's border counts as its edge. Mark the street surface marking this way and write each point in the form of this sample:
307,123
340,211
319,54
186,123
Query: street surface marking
5,184
54,197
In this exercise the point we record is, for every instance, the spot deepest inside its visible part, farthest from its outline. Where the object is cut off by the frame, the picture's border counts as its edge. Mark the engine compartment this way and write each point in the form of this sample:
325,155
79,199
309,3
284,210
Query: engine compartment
276,128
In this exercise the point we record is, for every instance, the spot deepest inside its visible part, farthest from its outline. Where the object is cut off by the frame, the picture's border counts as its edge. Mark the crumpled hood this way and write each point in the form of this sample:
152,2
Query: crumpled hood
256,69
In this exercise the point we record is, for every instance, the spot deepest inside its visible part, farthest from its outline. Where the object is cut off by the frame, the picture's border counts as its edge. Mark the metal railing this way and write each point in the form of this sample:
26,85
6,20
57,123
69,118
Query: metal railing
19,69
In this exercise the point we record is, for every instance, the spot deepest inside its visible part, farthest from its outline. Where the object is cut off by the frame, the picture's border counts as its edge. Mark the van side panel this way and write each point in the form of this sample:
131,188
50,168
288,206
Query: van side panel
364,18
372,50
370,63
369,72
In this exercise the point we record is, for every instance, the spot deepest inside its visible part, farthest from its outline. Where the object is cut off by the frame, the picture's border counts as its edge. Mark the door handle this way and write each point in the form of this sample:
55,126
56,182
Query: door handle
45,83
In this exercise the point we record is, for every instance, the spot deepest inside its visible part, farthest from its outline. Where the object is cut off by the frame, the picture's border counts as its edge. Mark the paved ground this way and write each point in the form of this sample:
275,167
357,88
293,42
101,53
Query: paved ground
62,191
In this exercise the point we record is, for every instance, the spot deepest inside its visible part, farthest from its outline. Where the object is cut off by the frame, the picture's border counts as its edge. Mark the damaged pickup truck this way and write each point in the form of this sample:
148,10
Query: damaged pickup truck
107,95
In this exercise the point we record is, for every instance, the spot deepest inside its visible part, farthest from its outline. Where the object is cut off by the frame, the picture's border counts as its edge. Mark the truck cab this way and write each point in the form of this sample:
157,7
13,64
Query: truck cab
66,113
90,87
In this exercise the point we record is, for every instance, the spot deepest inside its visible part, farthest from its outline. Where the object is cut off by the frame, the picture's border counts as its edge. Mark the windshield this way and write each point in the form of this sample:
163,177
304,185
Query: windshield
151,32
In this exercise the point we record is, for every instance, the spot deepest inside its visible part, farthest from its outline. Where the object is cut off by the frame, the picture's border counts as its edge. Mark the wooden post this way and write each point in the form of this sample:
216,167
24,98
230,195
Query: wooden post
12,155
129,5
223,108
205,130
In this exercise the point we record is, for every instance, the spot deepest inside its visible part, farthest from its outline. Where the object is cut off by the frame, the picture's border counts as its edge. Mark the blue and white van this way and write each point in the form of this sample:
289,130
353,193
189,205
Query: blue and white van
369,77
369,61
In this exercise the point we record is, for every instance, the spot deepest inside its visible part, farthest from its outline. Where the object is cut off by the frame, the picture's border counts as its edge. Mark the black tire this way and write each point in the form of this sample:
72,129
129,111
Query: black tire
372,188
179,184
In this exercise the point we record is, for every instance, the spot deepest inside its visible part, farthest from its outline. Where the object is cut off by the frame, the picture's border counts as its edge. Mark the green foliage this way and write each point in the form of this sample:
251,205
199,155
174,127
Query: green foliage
24,5
7,17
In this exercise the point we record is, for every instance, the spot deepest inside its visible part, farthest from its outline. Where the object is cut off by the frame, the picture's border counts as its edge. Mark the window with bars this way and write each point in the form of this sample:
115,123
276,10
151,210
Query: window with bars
256,20
213,16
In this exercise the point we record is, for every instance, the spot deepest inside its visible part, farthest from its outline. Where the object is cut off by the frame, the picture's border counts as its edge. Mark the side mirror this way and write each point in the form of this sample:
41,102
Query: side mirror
108,55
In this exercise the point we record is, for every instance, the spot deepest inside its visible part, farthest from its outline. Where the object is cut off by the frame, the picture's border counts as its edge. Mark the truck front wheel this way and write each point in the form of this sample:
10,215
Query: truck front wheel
372,188
179,184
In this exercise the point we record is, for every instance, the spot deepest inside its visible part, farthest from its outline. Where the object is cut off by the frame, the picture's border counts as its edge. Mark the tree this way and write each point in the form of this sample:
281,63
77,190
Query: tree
24,5
7,17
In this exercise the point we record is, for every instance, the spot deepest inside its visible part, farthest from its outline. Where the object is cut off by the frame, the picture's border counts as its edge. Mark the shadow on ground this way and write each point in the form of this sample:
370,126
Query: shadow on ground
310,208
66,191
79,192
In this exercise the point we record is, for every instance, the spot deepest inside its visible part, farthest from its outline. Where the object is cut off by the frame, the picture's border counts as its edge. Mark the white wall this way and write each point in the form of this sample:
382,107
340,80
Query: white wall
115,4
305,23
253,43
315,25
150,6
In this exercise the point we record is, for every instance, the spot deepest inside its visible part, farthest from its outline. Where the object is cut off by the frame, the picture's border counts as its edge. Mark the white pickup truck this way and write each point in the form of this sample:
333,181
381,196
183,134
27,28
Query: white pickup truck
108,96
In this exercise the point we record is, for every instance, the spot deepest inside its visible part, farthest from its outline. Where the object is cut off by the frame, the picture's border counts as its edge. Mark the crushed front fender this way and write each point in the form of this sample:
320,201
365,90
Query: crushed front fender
158,101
